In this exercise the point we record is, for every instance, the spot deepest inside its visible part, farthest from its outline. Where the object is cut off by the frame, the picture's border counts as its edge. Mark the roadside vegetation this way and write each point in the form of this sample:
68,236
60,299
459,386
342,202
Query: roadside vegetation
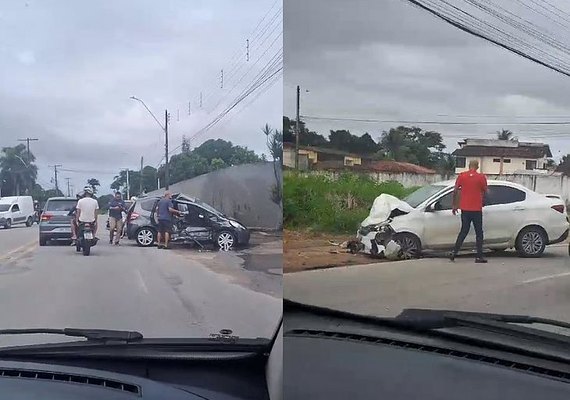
318,203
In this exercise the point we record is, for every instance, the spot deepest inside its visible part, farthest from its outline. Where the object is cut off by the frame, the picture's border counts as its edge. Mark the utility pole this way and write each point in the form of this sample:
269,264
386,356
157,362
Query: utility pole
28,140
166,166
55,176
297,129
68,187
128,186
141,179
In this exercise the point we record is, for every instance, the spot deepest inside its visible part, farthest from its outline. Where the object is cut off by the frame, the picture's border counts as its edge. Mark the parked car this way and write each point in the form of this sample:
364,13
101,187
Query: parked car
55,223
16,210
513,217
202,224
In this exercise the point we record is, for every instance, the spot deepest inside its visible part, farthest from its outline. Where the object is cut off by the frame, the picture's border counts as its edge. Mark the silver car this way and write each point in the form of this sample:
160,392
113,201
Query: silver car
55,222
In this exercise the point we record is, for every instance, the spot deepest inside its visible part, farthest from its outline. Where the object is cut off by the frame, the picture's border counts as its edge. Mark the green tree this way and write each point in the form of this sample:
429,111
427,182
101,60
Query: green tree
505,134
217,163
274,141
18,174
413,145
94,183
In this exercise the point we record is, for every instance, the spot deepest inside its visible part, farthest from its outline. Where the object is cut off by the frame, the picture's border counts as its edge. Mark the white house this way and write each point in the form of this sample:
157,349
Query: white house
502,157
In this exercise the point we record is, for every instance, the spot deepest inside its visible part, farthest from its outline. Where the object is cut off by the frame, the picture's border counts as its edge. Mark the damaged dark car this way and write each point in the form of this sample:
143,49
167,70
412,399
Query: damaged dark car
200,225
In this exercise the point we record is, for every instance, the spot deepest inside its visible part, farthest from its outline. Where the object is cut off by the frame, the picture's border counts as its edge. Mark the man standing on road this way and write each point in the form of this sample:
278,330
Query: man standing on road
165,209
116,208
473,186
87,209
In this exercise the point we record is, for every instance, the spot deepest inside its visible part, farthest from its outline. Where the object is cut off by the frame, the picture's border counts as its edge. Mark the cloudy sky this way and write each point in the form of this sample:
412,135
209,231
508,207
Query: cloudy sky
67,70
388,60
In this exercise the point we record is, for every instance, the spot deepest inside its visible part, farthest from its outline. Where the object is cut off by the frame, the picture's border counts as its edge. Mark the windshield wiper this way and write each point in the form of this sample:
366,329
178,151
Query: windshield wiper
429,320
97,335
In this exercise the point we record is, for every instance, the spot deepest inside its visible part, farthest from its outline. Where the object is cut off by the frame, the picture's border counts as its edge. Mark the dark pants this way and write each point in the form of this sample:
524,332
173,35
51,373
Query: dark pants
468,218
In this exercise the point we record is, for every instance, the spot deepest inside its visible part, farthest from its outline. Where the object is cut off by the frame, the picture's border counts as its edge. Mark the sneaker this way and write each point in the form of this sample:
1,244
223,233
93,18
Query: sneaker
160,246
481,261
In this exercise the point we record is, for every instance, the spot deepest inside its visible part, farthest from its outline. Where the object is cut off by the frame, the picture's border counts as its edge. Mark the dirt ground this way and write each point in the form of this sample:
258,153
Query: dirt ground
304,251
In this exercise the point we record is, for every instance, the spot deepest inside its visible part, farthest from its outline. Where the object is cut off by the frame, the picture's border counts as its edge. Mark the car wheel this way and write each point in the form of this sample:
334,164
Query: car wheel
145,237
531,242
411,247
29,222
43,241
225,240
8,224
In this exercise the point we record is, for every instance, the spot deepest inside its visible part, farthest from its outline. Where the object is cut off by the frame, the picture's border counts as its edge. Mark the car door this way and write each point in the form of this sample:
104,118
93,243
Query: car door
504,207
199,223
17,215
441,227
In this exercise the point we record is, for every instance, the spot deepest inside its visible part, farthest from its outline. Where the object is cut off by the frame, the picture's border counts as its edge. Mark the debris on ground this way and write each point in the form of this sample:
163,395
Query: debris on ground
308,250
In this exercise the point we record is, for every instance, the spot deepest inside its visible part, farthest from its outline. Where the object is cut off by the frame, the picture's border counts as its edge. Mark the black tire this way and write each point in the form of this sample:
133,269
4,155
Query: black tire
145,237
410,244
225,240
43,241
8,224
29,222
531,242
86,249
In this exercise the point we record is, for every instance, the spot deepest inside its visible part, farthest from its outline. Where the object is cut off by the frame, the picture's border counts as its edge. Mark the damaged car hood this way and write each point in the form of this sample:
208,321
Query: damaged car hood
384,207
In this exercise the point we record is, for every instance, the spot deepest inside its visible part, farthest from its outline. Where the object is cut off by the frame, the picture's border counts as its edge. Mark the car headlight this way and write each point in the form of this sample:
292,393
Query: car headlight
237,225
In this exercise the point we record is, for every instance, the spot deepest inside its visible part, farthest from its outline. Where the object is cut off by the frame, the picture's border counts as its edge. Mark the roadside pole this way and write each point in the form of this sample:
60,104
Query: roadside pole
297,129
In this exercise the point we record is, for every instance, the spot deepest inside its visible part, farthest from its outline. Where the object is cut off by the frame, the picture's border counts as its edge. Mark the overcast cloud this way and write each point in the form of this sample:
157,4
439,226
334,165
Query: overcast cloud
67,70
389,60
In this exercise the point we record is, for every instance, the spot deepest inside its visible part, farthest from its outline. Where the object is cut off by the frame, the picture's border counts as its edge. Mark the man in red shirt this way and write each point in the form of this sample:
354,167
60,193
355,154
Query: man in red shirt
473,186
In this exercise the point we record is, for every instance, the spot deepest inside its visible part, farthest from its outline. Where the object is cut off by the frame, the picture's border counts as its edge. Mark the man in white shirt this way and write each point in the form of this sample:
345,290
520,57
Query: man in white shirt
87,209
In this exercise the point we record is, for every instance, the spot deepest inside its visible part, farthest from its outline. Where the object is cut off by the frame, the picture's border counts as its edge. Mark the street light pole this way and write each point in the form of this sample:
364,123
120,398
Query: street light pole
297,129
166,166
165,129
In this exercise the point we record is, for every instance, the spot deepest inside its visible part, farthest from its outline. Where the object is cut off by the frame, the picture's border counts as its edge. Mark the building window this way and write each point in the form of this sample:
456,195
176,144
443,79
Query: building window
496,160
460,162
531,165
349,162
507,160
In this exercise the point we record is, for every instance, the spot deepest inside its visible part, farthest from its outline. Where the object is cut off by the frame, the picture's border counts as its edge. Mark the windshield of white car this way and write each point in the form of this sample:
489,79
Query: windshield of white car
422,194
4,207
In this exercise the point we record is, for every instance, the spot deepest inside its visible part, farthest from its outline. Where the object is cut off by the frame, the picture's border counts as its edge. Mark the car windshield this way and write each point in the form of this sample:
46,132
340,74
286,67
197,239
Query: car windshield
60,205
99,89
4,207
419,196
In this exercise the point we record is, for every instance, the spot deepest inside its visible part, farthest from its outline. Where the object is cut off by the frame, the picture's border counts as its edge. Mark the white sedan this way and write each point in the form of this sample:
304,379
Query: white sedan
513,217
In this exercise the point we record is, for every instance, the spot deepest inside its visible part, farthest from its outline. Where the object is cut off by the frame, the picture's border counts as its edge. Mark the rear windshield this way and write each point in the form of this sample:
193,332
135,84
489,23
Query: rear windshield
4,207
60,205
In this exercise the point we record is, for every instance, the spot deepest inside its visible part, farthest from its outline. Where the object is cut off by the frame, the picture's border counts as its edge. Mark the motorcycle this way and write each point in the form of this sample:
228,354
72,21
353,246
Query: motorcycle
85,238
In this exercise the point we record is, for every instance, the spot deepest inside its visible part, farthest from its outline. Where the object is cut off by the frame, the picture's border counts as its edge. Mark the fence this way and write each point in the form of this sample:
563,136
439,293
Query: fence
547,184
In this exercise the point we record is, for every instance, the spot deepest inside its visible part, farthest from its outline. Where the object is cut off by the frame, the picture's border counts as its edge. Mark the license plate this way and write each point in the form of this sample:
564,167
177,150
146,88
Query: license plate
62,230
88,235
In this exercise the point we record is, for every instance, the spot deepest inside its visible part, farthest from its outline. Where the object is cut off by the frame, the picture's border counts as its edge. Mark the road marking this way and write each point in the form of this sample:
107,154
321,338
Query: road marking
141,282
22,249
543,278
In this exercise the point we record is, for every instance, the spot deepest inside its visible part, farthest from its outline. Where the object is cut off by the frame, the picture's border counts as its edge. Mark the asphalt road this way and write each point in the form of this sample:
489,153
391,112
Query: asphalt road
507,284
161,293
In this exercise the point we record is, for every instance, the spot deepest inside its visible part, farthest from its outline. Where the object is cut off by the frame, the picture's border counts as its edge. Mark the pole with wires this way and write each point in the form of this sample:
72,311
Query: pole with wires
297,129
166,166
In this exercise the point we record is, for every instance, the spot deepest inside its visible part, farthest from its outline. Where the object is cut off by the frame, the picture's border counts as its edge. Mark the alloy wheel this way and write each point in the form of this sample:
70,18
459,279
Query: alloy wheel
532,243
225,241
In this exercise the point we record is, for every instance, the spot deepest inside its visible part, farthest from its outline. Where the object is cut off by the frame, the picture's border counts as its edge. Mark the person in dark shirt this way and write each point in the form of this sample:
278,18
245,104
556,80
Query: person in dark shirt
164,211
116,208
73,214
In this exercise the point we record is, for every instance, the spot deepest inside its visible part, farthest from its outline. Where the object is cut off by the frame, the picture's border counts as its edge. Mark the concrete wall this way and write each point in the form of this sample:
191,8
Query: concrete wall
242,192
546,184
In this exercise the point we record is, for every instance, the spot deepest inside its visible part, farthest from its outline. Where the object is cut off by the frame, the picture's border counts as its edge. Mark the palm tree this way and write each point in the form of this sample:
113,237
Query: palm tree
17,173
274,141
505,134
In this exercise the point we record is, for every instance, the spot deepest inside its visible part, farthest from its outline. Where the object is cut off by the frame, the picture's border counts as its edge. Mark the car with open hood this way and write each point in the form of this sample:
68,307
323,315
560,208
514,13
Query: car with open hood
513,217
201,224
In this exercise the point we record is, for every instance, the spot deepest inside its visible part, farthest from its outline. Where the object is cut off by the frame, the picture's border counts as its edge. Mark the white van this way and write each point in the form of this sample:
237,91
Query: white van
16,210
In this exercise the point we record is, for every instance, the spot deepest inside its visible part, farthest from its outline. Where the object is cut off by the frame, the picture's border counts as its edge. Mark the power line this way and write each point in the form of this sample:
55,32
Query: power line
395,121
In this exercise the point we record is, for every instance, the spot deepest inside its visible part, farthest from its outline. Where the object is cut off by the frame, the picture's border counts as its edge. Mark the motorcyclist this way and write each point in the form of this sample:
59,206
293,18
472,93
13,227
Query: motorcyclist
87,209
73,213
